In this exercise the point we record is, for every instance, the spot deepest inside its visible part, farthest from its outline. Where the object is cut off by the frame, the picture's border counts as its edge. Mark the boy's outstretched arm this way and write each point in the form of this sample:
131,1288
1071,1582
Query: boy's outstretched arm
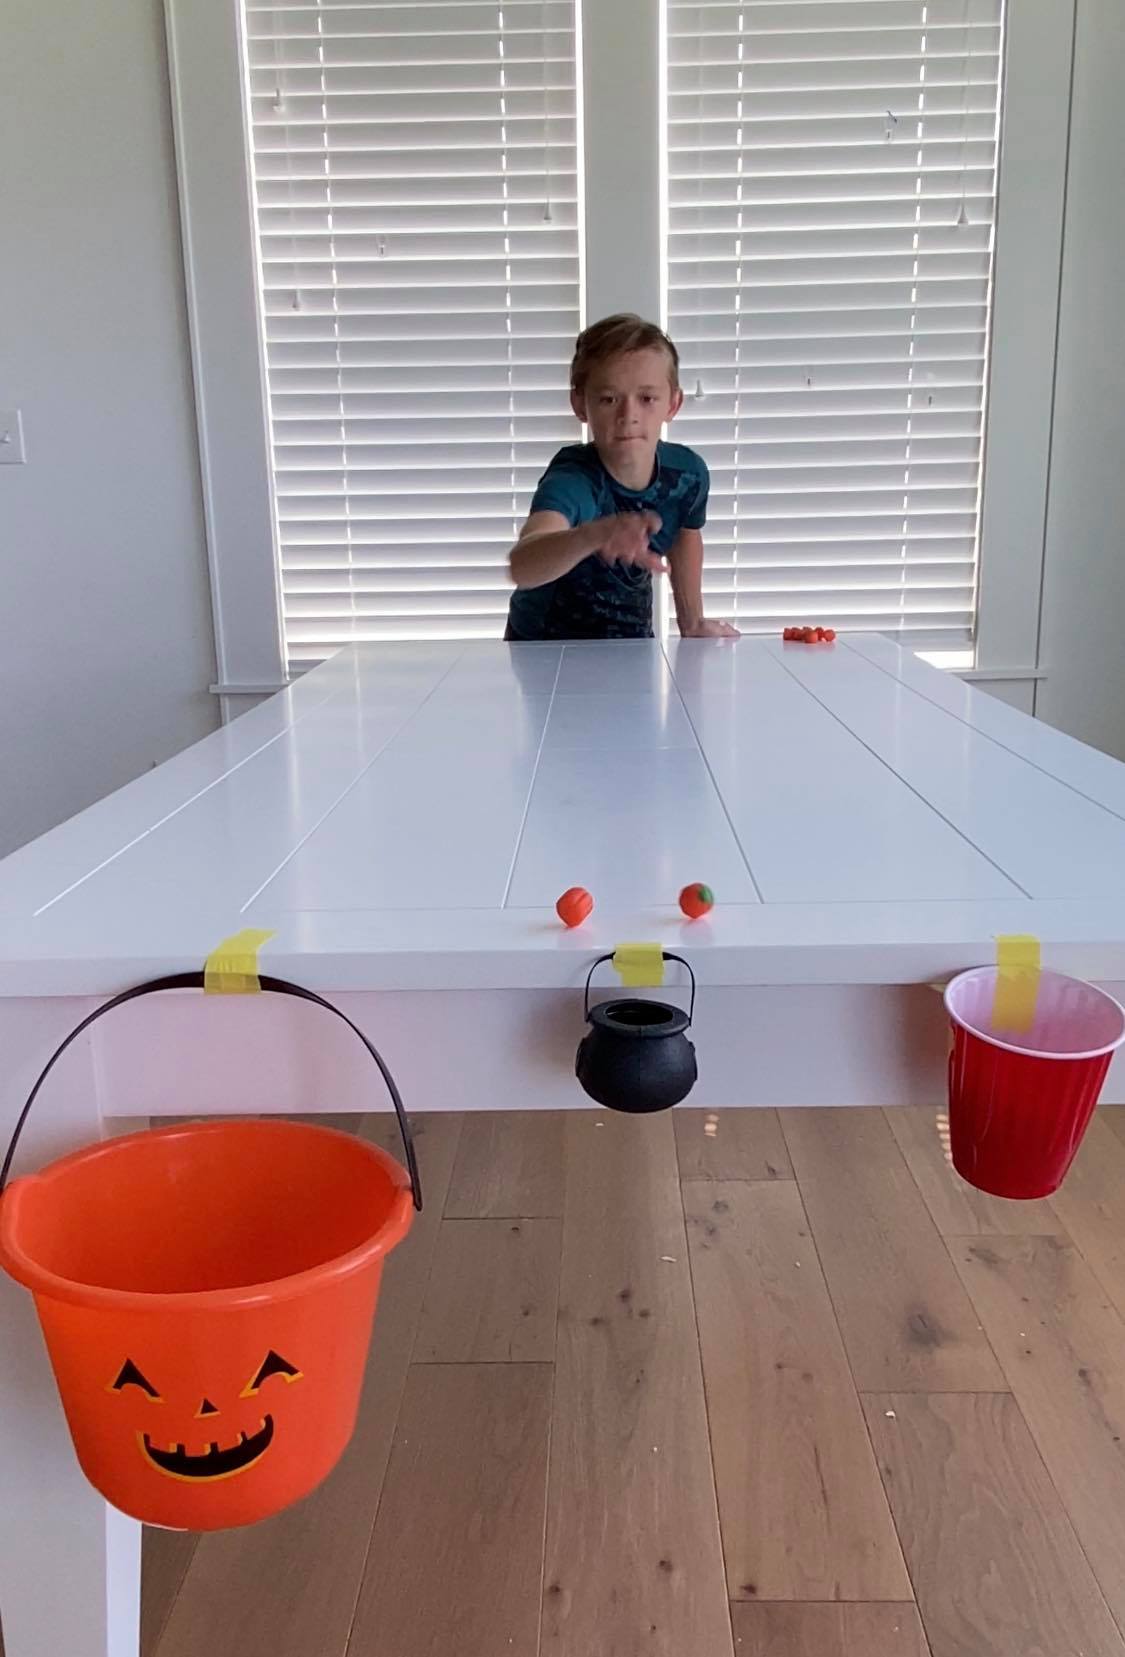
685,557
549,547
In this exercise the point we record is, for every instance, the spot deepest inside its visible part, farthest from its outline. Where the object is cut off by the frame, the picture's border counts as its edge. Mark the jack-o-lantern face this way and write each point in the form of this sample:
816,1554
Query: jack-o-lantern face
214,1460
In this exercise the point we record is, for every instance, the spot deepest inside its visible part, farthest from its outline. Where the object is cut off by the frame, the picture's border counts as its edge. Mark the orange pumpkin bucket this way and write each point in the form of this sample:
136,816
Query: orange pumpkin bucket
206,1294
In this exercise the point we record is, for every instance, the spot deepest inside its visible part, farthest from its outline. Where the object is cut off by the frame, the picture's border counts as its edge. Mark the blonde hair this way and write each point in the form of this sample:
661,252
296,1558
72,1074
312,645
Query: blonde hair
612,337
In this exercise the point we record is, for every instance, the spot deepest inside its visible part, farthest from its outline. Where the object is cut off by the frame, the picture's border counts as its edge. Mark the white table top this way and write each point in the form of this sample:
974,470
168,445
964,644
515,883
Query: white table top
405,817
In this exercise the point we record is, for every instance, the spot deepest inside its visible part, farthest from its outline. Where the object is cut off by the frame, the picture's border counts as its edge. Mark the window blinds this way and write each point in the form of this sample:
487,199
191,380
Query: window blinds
831,184
415,179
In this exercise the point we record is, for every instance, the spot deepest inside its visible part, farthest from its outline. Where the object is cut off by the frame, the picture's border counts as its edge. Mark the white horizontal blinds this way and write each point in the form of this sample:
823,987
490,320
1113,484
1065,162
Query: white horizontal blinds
832,175
416,187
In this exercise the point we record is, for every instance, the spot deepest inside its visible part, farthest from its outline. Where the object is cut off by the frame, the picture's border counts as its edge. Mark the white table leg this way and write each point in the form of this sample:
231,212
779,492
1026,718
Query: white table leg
70,1566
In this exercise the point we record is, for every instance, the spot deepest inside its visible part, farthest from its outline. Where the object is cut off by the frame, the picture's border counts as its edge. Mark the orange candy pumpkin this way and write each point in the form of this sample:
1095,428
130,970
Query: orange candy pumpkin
574,906
696,900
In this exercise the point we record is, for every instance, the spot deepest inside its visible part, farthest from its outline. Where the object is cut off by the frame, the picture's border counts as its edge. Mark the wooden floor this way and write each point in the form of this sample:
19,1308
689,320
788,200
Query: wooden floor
732,1385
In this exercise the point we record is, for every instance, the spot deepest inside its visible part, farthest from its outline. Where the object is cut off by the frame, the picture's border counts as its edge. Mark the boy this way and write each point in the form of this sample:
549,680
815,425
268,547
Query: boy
610,514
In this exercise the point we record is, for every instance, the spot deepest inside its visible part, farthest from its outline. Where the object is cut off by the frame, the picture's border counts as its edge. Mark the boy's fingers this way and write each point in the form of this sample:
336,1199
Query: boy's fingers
629,544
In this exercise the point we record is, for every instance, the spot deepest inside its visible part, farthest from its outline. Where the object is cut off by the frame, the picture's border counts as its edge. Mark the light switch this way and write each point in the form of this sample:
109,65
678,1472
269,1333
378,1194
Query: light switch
11,438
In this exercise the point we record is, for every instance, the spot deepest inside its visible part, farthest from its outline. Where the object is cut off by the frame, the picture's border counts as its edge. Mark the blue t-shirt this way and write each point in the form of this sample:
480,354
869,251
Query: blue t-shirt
597,600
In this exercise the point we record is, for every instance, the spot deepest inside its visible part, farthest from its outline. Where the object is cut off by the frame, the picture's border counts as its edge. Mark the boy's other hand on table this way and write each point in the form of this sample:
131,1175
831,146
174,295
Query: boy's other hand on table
710,630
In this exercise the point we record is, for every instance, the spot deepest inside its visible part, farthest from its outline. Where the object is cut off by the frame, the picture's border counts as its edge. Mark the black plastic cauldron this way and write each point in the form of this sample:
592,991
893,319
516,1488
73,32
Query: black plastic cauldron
635,1055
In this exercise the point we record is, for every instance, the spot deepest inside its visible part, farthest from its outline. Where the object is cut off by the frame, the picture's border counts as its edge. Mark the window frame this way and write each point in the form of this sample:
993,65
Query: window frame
622,193
206,77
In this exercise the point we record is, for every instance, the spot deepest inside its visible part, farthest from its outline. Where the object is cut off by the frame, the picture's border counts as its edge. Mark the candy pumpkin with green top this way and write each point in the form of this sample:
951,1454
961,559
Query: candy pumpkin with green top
696,900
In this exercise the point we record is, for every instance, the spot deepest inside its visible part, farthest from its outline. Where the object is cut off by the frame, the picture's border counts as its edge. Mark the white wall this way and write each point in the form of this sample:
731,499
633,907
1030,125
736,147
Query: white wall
1083,618
106,647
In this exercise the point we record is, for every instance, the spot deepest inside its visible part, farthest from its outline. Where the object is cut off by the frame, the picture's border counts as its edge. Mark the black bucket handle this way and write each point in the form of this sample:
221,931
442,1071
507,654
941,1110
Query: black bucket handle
195,981
665,955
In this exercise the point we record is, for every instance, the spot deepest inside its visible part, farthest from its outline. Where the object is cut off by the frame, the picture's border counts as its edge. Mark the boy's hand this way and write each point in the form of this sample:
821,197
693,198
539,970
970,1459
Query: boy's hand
626,541
710,630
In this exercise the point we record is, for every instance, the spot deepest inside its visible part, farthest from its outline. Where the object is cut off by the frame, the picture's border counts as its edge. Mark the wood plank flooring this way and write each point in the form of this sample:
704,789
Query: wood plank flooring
634,1561
773,1358
723,1384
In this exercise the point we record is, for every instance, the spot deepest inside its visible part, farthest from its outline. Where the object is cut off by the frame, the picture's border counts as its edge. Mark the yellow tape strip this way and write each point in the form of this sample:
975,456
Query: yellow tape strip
1017,983
232,968
641,965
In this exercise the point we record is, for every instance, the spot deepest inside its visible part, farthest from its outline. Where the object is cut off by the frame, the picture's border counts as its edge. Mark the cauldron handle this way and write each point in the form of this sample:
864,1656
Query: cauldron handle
667,956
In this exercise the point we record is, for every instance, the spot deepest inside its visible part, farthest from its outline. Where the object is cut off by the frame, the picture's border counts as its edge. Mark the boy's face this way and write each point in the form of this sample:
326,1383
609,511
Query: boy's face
625,402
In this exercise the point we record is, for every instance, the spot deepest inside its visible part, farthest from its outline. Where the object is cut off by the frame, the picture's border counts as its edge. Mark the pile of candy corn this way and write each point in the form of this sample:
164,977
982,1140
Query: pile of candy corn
809,635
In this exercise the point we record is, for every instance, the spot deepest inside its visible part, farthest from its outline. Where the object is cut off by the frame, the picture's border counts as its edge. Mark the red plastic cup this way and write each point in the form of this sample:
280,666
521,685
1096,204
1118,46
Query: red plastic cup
1020,1101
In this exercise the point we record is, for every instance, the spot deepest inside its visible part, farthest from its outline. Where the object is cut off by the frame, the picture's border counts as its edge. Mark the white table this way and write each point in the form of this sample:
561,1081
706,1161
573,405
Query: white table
404,819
